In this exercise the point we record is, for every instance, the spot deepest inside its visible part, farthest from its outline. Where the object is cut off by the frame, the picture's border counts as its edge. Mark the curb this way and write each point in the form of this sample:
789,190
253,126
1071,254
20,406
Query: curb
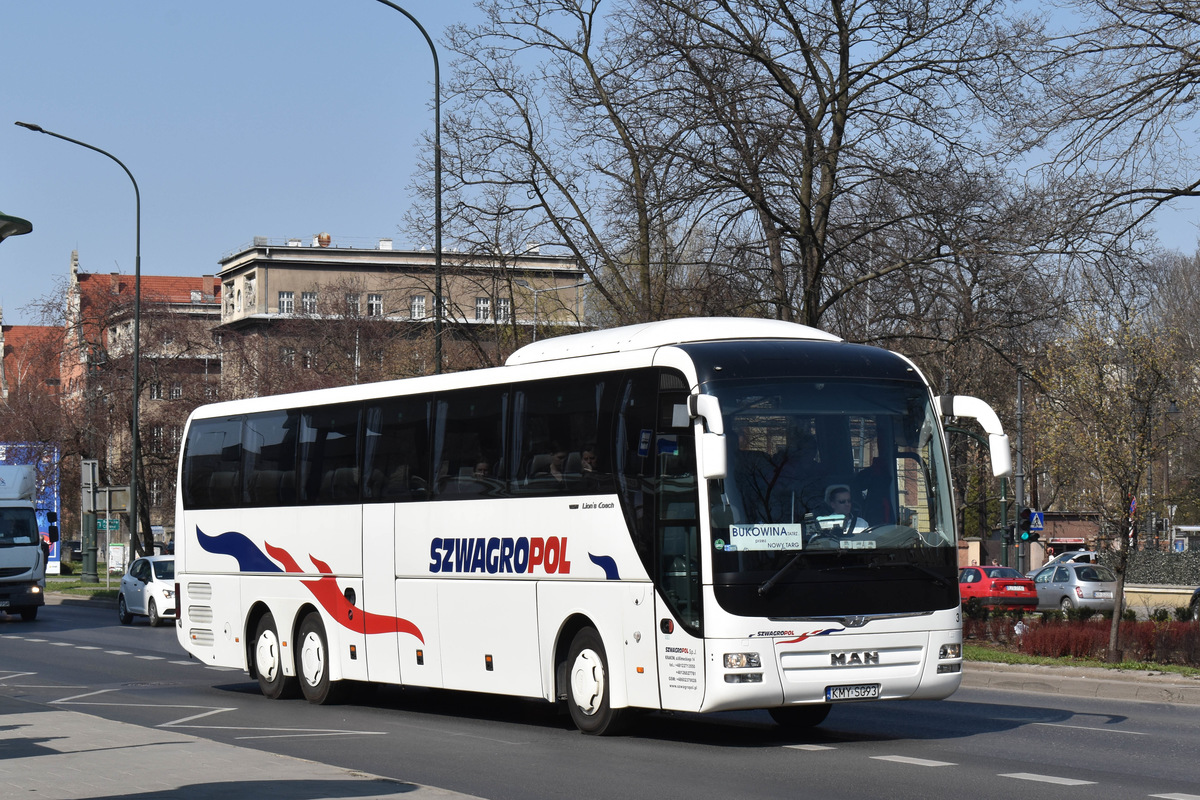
1097,682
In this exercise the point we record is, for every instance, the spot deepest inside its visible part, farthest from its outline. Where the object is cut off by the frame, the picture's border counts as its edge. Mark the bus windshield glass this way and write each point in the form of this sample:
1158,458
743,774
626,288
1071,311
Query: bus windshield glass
836,500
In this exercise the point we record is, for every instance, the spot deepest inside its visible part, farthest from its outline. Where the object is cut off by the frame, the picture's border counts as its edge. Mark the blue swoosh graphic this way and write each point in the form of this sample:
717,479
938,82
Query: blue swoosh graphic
232,543
608,564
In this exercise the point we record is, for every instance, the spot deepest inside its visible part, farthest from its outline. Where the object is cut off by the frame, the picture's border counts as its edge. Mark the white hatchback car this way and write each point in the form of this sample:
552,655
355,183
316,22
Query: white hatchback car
148,589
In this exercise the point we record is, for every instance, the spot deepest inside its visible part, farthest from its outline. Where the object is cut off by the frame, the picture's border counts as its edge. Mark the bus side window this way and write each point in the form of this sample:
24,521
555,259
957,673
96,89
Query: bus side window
329,455
396,450
212,463
269,450
469,443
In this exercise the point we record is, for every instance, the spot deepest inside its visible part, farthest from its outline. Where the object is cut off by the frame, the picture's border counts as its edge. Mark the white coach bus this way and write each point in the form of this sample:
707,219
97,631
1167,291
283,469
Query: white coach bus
650,517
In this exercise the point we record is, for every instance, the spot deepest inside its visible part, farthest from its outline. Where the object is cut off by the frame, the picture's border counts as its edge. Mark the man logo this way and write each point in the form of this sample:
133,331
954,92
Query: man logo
854,659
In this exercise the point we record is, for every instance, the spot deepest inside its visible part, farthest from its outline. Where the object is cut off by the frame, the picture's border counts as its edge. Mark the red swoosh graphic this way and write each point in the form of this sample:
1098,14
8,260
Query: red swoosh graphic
326,592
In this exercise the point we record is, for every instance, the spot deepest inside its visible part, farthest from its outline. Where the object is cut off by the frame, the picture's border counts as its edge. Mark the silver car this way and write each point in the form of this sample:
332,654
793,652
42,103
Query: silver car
1069,586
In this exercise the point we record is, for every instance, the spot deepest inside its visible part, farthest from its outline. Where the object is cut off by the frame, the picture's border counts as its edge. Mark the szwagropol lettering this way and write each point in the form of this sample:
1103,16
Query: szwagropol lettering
521,555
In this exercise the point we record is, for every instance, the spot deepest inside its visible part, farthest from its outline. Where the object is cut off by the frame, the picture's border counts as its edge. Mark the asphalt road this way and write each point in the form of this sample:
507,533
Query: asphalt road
1001,744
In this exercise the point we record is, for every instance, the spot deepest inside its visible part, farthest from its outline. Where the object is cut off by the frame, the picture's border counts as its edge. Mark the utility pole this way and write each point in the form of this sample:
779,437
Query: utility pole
1019,473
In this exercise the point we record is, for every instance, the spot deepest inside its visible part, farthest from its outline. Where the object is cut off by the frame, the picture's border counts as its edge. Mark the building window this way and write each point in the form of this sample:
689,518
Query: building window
416,309
307,359
288,356
156,392
374,305
157,434
176,391
176,437
308,302
483,309
353,304
503,309
156,492
287,302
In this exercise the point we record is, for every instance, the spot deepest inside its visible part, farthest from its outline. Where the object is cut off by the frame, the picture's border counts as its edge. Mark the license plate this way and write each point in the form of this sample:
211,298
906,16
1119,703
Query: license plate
1015,588
1103,595
3,604
861,691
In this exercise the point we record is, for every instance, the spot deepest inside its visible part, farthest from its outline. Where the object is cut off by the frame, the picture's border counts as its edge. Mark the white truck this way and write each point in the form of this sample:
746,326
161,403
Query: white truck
23,552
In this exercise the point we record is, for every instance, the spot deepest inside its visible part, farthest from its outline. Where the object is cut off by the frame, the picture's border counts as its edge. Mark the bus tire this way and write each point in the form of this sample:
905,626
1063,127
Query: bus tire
29,613
588,686
312,663
800,717
155,619
268,661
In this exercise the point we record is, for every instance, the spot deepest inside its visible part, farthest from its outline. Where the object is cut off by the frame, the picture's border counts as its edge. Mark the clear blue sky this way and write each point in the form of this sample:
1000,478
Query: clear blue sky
238,118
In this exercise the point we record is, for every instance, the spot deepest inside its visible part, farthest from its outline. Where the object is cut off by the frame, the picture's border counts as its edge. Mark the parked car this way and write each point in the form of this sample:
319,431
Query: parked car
1067,586
997,587
148,589
1069,557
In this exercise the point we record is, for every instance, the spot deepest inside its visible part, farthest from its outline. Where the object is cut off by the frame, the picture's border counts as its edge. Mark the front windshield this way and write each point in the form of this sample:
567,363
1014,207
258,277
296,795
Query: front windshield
835,500
17,526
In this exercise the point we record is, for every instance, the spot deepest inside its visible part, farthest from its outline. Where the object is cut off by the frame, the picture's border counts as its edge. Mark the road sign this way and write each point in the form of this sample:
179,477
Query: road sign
108,524
1037,521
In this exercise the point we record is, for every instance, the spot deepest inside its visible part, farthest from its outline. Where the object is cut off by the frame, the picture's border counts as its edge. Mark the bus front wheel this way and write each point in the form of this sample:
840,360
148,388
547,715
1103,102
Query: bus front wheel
313,663
268,661
588,689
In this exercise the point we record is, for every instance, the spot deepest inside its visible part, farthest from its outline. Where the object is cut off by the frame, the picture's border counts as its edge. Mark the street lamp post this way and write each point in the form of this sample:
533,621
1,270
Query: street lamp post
137,315
437,189
13,226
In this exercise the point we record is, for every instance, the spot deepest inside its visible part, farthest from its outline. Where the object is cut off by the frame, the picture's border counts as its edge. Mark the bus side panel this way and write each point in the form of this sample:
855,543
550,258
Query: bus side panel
420,655
623,615
379,590
489,632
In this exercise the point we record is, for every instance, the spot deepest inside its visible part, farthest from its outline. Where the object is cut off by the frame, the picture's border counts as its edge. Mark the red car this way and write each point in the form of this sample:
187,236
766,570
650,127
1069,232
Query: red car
997,587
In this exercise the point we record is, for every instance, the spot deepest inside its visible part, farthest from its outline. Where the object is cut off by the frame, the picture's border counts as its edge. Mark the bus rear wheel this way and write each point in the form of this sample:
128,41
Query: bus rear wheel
268,661
313,663
588,688
800,717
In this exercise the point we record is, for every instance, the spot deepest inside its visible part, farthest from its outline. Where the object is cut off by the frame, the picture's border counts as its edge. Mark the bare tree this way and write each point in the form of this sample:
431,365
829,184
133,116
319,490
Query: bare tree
1120,102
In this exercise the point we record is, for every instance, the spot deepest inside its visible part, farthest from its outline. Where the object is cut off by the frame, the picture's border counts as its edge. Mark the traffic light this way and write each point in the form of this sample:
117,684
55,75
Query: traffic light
1024,521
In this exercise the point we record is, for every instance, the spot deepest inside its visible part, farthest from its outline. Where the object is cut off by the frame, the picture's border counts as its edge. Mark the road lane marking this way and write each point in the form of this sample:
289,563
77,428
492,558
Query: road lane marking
918,762
117,652
1029,776
812,748
1087,728
87,647
151,658
1177,796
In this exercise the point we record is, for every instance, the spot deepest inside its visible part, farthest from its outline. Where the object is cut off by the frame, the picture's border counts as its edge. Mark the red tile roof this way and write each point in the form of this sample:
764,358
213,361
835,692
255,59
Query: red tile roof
31,356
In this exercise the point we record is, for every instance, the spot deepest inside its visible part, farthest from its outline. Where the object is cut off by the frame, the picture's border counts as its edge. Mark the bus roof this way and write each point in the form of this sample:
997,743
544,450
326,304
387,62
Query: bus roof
666,332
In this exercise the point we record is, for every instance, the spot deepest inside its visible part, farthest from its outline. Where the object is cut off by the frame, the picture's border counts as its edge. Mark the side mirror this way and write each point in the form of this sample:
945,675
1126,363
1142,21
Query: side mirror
52,532
712,441
712,455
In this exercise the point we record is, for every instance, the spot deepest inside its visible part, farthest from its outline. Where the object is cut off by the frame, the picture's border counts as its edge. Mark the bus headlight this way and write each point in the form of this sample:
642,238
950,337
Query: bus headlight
950,651
742,661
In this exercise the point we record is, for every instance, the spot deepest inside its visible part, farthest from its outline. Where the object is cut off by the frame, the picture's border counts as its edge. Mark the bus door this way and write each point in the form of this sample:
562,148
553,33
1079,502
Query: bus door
677,552
379,589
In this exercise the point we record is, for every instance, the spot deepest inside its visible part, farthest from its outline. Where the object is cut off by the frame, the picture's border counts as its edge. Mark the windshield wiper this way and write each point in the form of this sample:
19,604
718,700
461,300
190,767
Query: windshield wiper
765,587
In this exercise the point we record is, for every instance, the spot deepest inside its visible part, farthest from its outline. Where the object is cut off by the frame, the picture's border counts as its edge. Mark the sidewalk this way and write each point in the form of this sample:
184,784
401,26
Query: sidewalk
66,755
